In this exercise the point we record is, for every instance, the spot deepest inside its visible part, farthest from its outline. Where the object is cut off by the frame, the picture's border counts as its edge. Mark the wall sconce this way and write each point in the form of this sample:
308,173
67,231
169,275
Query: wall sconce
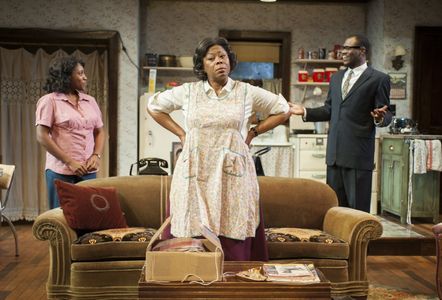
398,62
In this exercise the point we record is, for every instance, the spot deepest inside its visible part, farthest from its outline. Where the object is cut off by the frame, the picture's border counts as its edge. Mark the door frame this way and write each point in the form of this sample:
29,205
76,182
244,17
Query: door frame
285,38
420,82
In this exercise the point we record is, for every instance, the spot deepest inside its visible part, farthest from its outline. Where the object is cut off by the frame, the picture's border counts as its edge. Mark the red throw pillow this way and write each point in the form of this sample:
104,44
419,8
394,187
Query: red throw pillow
90,208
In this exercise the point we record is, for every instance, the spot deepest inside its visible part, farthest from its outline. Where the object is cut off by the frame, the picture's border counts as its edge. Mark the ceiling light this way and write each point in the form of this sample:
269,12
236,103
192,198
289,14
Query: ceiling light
267,0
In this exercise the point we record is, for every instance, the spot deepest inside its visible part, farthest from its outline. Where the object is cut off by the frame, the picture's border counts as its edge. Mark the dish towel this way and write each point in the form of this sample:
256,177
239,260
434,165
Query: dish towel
417,164
410,180
434,155
419,156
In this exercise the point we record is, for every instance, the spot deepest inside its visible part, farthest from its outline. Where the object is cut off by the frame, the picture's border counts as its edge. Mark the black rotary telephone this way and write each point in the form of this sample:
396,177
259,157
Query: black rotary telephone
152,166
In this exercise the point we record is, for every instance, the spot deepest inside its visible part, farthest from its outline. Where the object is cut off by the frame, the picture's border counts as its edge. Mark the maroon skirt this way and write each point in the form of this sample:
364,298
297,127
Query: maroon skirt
250,249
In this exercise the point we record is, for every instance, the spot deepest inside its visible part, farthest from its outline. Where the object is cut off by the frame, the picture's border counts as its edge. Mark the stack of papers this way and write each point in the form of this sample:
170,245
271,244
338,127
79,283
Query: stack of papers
298,273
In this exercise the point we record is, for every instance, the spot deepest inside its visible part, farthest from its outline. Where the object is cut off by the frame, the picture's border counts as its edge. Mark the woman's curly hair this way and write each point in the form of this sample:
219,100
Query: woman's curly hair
60,72
201,51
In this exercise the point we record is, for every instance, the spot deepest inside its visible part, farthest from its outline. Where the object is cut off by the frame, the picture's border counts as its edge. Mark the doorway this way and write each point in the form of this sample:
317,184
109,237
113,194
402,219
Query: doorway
282,68
427,97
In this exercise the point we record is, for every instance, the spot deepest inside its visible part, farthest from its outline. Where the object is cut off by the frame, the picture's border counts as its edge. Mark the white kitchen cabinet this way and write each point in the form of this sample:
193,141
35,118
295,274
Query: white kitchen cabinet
309,162
309,153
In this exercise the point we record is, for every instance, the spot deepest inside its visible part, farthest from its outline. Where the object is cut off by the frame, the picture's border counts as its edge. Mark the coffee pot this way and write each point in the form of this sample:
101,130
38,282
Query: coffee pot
403,126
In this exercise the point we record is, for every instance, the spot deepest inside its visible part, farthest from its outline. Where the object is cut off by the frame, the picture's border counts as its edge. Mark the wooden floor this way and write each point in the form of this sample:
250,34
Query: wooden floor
24,277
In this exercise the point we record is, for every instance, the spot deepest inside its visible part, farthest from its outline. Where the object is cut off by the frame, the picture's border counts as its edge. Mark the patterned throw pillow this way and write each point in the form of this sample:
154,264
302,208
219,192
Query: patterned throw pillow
130,234
285,235
90,208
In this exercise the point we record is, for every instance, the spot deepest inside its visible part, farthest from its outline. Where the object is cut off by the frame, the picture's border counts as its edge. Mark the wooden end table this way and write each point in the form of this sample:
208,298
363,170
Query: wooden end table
235,288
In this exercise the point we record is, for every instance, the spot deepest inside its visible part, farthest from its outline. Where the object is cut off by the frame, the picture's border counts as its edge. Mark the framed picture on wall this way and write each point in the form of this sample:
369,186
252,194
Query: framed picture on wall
174,154
398,86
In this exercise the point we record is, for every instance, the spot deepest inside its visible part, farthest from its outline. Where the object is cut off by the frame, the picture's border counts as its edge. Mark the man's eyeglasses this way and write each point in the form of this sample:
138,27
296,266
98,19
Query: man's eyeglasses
351,47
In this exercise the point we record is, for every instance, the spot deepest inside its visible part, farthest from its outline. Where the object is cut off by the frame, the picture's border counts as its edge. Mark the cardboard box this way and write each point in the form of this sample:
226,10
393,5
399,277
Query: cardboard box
185,266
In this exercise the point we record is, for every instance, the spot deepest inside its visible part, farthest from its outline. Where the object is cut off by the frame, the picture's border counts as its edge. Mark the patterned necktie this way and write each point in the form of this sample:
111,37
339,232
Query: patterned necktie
346,84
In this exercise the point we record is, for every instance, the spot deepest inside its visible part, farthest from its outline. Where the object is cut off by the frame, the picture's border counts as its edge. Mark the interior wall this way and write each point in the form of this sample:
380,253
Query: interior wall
177,27
392,22
84,15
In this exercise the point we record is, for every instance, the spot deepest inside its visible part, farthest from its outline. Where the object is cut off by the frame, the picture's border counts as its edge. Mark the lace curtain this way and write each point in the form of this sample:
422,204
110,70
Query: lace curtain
22,77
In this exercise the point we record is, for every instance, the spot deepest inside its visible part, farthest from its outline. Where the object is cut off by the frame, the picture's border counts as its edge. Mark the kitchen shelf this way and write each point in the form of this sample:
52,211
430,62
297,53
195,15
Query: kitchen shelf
312,83
306,62
168,68
318,61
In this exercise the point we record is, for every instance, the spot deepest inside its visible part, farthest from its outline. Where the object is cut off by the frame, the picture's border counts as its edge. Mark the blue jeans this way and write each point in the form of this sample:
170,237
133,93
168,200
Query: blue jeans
52,191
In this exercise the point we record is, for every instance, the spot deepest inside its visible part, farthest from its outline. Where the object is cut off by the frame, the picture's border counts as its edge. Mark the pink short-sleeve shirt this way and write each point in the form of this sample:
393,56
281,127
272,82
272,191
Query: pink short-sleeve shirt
71,129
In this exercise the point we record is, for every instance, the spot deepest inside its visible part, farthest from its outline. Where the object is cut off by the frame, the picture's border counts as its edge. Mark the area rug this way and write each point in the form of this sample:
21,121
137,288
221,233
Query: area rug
379,292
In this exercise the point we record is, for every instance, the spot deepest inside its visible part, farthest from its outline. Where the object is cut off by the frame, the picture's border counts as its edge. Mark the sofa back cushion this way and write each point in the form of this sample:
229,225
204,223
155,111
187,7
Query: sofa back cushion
142,198
295,202
286,202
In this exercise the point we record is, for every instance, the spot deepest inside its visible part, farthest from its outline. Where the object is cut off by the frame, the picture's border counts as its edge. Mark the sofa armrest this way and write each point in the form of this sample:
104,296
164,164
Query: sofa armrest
52,226
357,228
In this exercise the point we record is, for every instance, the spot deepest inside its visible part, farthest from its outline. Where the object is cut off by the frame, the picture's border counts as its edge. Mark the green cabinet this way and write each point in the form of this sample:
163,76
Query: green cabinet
395,183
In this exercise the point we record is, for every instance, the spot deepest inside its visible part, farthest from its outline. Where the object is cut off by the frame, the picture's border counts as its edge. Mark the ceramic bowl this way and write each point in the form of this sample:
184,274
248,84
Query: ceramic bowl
186,61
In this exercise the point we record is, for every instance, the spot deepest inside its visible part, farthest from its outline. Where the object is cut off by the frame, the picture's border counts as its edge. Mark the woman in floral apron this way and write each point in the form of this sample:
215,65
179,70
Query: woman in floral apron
214,182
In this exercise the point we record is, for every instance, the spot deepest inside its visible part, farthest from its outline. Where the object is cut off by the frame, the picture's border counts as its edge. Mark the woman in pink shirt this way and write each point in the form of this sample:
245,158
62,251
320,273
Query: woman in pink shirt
69,126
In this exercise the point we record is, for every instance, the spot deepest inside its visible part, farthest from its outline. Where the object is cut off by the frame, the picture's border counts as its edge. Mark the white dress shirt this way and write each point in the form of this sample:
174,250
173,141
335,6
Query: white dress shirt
357,72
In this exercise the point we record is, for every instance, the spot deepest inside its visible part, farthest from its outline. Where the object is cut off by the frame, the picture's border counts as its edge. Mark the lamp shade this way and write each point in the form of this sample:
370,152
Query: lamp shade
399,51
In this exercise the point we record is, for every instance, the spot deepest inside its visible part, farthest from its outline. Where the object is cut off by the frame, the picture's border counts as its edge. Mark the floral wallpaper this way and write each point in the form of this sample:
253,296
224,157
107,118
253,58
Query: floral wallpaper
84,15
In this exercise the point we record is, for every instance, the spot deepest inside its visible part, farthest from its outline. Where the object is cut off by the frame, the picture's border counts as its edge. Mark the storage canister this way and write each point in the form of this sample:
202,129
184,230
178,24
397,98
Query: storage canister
302,76
318,75
329,72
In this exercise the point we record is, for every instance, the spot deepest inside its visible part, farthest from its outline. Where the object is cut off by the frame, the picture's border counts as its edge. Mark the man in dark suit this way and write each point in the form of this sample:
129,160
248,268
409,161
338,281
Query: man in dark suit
356,103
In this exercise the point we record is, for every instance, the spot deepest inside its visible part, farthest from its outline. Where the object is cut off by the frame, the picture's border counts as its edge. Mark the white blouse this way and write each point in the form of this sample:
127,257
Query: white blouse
256,100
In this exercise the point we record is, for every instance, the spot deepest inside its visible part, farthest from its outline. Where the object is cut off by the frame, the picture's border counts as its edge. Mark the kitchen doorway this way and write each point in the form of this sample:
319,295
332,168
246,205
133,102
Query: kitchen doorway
268,38
427,97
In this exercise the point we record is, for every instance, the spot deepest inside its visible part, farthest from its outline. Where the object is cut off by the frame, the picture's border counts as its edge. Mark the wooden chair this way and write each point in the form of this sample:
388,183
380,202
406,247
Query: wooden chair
437,230
6,178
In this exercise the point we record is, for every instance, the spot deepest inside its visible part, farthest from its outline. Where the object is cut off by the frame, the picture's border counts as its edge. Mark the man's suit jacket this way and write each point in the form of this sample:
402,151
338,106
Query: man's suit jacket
351,137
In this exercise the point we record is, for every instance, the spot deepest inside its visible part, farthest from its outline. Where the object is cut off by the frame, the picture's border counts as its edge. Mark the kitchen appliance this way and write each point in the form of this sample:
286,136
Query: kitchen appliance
403,126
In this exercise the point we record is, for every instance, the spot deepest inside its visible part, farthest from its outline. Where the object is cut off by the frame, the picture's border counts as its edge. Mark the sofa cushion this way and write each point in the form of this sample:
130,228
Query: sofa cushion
118,243
90,208
289,243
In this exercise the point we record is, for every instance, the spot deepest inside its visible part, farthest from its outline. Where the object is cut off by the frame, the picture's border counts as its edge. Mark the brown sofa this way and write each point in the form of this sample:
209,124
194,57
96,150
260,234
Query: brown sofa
112,269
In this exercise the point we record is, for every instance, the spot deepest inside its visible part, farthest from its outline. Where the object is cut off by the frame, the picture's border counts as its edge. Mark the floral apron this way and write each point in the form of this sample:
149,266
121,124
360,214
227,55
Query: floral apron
214,182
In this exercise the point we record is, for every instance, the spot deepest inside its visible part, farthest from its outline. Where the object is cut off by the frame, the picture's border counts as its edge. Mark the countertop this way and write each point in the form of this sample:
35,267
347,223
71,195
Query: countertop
267,141
413,136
